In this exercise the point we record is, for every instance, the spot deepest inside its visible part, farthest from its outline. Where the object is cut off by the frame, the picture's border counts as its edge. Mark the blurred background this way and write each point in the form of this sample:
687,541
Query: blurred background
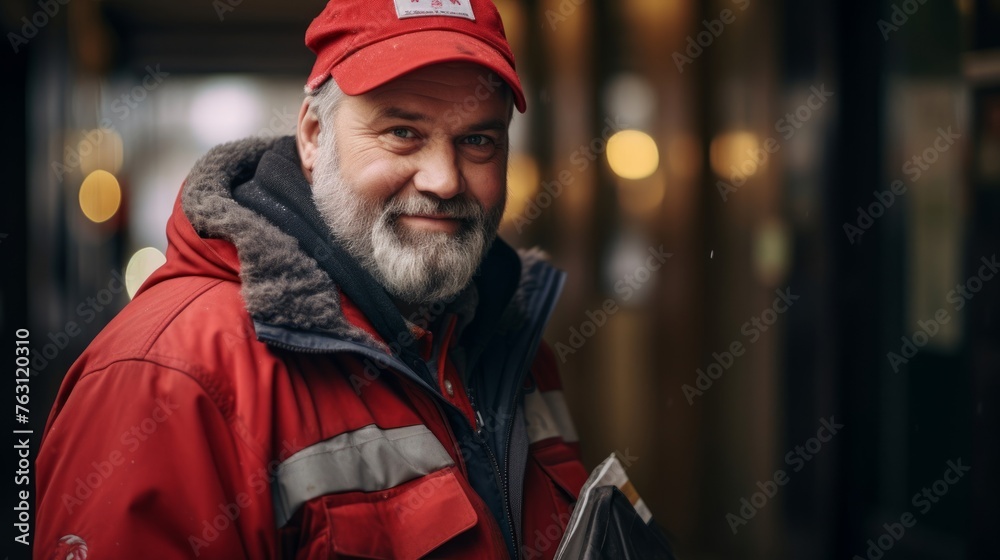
823,342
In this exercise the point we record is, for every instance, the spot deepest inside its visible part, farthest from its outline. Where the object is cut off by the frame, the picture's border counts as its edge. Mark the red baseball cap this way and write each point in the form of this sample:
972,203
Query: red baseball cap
366,43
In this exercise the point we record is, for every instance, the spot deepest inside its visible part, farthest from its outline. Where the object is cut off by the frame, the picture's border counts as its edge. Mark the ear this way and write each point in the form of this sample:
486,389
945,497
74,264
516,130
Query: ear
307,139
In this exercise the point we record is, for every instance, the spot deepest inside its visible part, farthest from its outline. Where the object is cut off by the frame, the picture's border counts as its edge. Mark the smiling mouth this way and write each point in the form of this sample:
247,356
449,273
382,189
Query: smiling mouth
432,222
431,216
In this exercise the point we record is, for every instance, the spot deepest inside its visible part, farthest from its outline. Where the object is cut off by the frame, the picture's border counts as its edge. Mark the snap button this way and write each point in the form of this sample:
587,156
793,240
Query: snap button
449,388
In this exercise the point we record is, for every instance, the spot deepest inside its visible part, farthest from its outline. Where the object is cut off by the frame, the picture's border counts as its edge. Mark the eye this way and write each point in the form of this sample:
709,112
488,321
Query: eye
402,133
478,140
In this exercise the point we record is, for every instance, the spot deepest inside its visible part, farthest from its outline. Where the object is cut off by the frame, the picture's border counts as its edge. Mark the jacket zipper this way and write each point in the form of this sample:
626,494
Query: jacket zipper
506,500
496,468
494,530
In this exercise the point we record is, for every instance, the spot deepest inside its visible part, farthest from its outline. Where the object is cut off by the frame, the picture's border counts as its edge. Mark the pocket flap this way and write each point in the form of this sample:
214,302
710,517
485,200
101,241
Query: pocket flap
559,461
405,522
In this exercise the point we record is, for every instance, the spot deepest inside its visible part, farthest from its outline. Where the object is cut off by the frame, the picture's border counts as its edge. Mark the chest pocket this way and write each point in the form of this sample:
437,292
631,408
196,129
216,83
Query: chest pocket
371,493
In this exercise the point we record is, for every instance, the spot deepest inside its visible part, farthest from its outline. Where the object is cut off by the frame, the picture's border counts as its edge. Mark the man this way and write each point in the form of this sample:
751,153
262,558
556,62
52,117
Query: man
339,359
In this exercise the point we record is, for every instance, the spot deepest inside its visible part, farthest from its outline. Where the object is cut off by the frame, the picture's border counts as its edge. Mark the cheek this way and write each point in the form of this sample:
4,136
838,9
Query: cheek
488,185
372,173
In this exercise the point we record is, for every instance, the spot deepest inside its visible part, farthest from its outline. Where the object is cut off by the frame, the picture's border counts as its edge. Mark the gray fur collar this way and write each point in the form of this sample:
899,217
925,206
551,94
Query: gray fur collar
281,284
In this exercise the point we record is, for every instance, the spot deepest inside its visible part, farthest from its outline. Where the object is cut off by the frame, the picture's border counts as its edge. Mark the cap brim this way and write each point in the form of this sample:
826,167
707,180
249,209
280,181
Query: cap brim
391,58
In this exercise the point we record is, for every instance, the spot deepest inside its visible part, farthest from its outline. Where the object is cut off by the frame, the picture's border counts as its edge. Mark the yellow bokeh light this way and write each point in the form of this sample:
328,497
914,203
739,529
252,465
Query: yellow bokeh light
735,154
633,154
100,196
522,185
143,263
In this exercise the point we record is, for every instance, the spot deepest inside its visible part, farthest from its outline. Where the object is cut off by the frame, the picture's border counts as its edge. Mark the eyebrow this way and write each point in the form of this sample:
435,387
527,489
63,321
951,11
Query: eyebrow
403,114
495,125
391,112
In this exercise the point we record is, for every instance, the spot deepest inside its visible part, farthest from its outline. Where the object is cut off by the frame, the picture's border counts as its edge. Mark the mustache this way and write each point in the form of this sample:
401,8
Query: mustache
458,208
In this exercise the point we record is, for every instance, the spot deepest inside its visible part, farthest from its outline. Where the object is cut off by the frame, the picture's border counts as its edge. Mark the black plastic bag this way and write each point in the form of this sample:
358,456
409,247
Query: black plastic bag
613,530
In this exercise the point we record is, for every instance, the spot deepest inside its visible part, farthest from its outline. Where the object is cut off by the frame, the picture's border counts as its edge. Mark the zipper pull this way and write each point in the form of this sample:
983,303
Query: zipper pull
479,423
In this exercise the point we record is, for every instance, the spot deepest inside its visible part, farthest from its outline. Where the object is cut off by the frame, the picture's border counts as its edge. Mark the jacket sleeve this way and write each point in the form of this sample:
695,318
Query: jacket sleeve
140,461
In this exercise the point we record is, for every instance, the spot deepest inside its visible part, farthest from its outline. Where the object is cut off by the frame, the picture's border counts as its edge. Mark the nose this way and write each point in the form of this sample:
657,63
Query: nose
438,171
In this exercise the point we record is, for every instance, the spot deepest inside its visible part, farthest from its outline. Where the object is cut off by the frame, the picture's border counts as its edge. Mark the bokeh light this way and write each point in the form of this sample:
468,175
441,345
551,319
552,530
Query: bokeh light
219,112
632,99
732,154
143,263
100,196
632,154
772,252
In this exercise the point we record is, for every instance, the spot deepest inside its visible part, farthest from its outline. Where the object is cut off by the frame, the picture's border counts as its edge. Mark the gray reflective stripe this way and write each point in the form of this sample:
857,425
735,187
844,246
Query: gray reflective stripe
557,405
548,416
368,459
541,424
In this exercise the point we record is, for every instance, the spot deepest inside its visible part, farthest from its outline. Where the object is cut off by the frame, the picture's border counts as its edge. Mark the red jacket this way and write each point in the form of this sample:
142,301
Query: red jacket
241,407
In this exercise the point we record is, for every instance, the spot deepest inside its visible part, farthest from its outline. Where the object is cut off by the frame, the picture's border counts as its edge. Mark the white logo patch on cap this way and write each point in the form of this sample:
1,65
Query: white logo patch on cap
426,8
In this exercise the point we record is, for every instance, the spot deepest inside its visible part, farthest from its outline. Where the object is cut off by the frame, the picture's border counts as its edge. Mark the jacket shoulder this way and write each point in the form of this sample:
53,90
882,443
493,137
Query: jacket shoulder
189,324
132,445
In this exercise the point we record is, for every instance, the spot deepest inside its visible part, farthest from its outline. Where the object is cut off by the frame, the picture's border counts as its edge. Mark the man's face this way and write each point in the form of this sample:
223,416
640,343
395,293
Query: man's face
412,180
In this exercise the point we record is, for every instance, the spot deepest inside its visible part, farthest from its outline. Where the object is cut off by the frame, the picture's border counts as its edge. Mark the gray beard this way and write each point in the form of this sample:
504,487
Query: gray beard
414,266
